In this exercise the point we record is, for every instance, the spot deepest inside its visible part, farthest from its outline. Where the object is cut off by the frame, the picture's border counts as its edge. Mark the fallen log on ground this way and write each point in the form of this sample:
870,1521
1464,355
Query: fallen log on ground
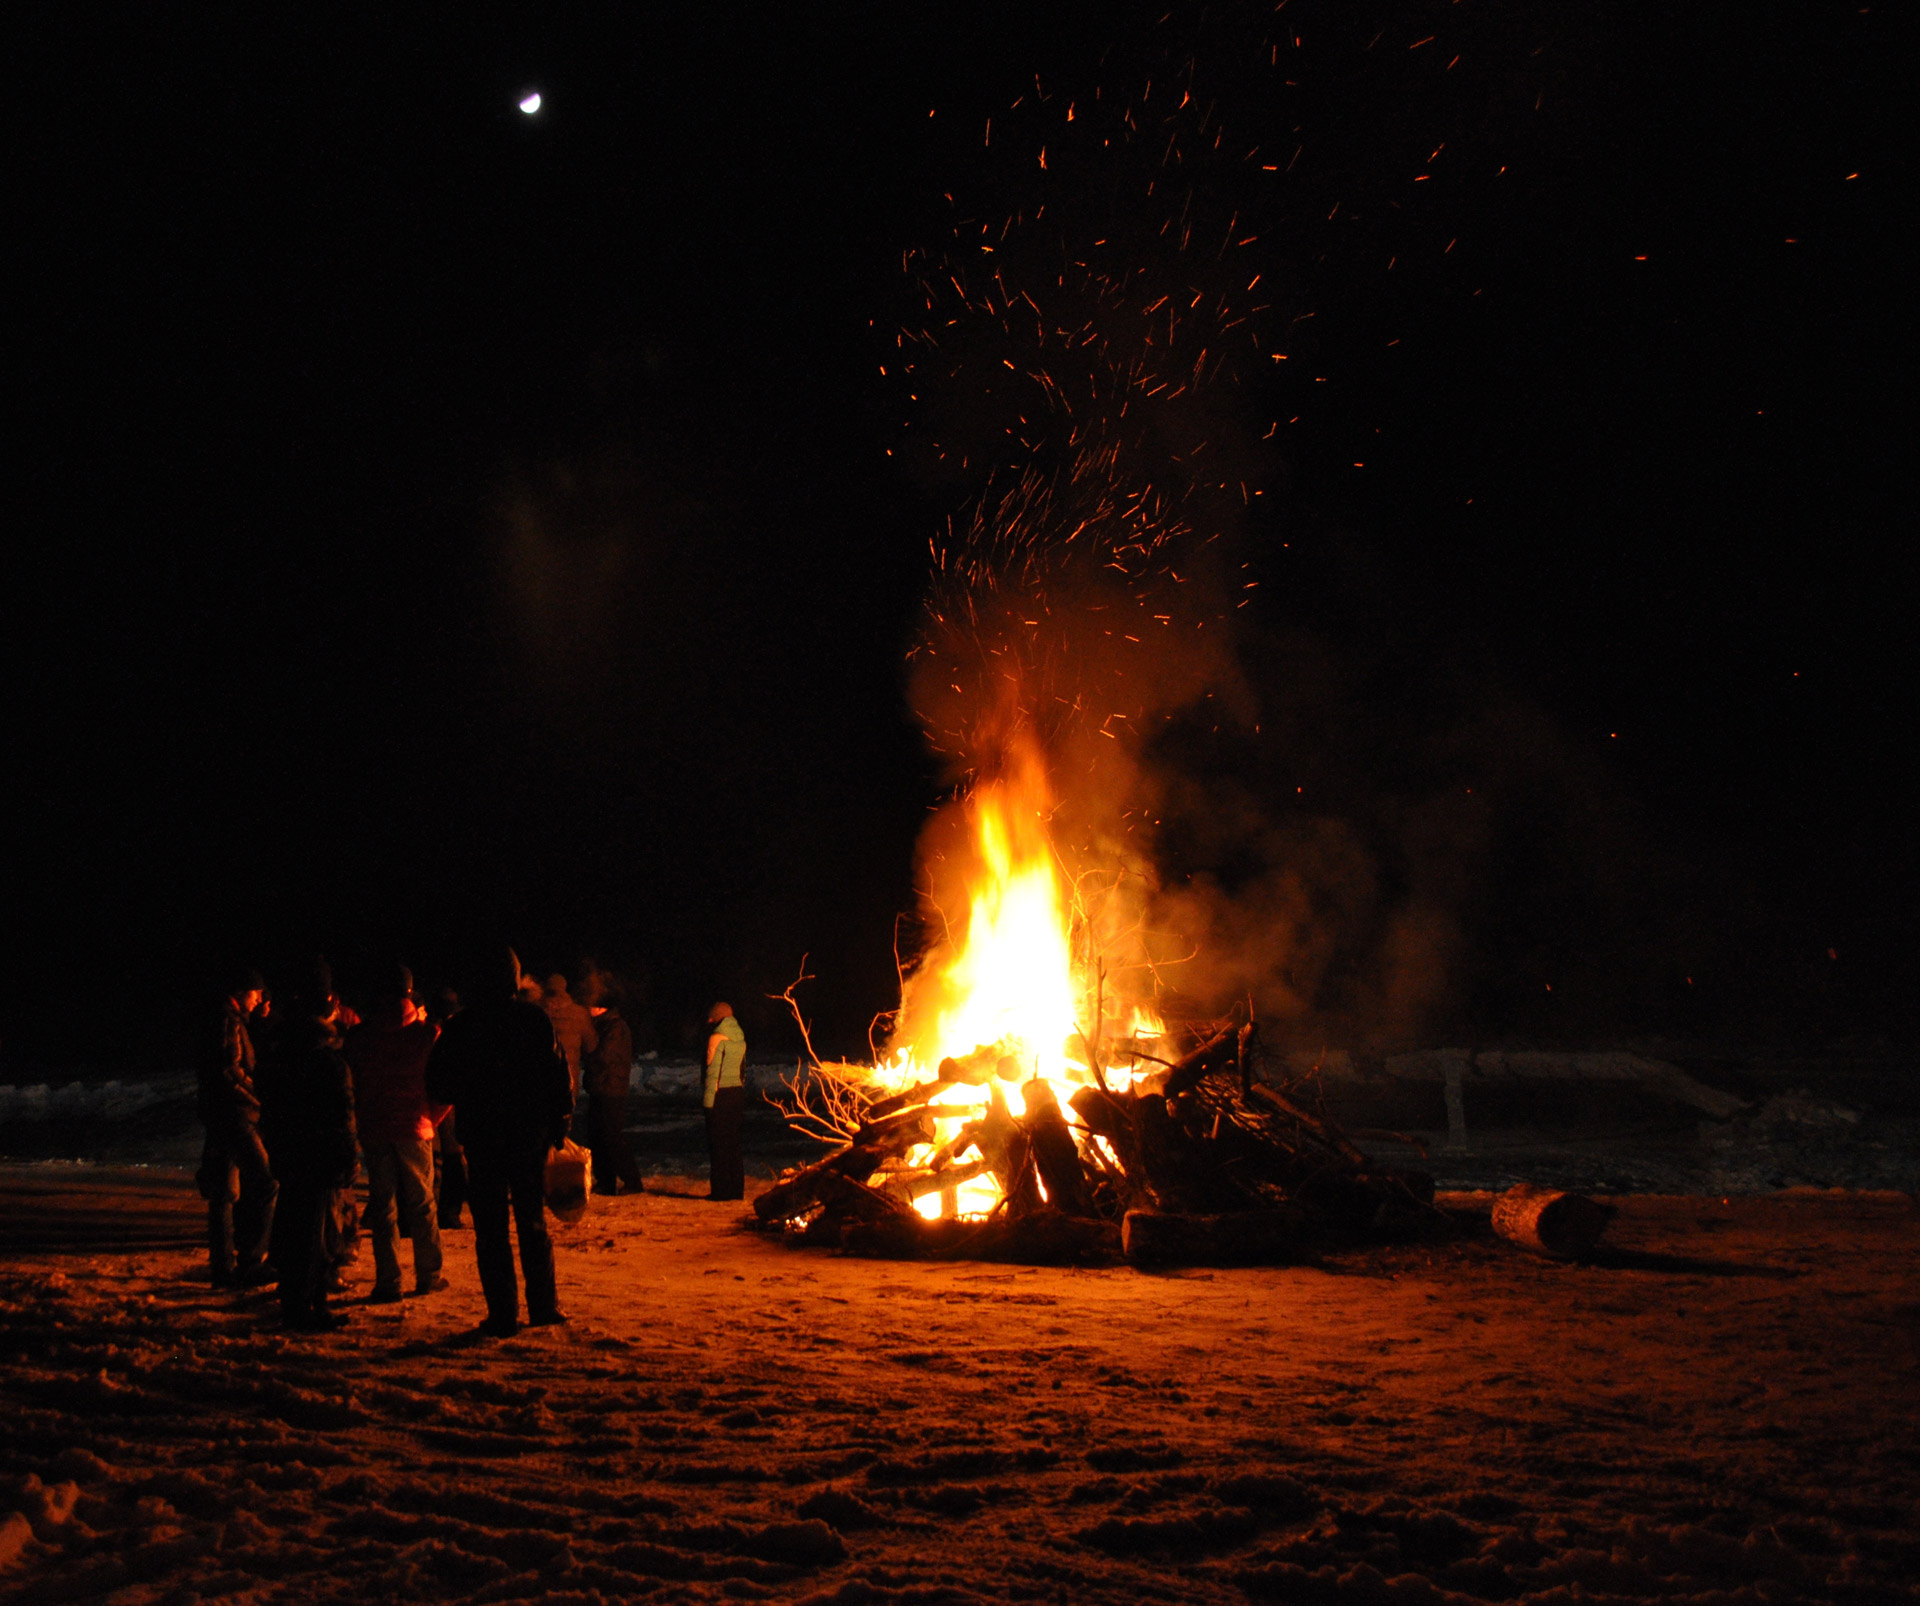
1549,1221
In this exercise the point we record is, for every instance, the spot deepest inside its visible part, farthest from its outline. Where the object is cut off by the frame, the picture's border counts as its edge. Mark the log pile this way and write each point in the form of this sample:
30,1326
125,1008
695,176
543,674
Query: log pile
1199,1163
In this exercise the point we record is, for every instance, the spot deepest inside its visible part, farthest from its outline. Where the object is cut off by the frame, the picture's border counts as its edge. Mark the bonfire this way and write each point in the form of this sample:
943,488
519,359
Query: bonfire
1031,1104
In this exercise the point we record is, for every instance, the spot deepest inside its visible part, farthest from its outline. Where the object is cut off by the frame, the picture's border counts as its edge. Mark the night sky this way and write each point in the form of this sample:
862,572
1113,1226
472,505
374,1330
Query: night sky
428,523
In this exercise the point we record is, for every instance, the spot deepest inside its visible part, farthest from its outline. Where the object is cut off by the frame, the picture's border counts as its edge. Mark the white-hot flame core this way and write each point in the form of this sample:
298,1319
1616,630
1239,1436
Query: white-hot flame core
1014,974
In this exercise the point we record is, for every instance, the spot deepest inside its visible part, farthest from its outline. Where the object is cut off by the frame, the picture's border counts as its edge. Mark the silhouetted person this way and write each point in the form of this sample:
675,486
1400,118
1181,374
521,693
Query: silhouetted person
498,1065
388,1053
450,1171
609,1066
572,1026
234,1176
725,1097
306,1119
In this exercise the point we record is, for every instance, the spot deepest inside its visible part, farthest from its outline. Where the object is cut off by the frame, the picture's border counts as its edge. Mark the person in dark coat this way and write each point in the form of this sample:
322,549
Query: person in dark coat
306,1120
234,1176
609,1068
500,1067
388,1052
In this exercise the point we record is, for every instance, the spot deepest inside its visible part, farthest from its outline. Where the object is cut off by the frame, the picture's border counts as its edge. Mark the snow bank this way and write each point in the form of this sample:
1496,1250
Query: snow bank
93,1101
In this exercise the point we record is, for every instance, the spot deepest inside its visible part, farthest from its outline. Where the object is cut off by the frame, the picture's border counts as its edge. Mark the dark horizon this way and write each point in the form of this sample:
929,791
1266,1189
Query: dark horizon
434,524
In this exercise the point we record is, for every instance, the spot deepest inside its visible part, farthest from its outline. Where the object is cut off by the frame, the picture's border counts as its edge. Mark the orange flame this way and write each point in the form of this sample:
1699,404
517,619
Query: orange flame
1009,990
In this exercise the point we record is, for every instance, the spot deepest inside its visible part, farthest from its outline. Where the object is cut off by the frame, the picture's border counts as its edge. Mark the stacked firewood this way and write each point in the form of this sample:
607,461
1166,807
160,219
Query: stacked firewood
1201,1162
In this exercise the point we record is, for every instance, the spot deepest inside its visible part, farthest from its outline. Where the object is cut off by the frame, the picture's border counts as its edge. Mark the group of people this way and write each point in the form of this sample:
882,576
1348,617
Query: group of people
461,1104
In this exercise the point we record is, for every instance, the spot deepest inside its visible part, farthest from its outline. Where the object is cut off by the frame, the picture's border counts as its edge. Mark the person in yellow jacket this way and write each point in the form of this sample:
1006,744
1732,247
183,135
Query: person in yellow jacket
725,1096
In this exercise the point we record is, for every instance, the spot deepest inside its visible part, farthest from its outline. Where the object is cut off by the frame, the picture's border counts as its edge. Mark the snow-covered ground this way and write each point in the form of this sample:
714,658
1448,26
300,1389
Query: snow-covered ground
1720,1411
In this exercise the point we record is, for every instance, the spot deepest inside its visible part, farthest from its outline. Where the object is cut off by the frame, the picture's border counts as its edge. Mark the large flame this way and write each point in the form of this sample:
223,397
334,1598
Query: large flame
1011,989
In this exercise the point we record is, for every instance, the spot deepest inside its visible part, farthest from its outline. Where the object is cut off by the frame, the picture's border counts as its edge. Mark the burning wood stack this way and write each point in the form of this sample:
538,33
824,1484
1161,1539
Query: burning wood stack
1193,1162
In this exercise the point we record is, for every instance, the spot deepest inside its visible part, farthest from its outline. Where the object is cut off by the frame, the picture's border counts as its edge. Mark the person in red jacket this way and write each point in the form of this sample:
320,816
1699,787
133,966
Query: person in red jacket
388,1053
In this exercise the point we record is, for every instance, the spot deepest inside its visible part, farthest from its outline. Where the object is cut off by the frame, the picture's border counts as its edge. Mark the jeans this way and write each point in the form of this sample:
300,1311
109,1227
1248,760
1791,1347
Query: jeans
238,1228
497,1178
401,1174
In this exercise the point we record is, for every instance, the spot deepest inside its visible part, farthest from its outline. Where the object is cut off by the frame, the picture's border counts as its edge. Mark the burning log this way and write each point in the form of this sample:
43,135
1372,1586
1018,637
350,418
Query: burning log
911,1185
1550,1222
855,1200
894,1134
1054,1153
876,1143
1185,1073
1240,1238
1009,1155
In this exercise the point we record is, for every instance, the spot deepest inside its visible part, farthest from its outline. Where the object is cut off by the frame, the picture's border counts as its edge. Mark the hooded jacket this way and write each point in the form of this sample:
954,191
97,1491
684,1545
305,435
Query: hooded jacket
726,1058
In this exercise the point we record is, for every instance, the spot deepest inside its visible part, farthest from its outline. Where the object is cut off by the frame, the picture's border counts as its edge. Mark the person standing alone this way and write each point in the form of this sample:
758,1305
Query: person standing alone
388,1053
498,1065
725,1097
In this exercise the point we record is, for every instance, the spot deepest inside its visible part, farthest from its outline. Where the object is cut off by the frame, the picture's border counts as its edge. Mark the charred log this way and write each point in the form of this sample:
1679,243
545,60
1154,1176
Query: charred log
1186,1072
855,1201
918,1094
878,1142
895,1134
1009,1154
1055,1155
1308,1124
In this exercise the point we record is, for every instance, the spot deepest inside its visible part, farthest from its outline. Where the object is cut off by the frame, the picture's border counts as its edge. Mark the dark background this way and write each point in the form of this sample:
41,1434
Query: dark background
426,522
